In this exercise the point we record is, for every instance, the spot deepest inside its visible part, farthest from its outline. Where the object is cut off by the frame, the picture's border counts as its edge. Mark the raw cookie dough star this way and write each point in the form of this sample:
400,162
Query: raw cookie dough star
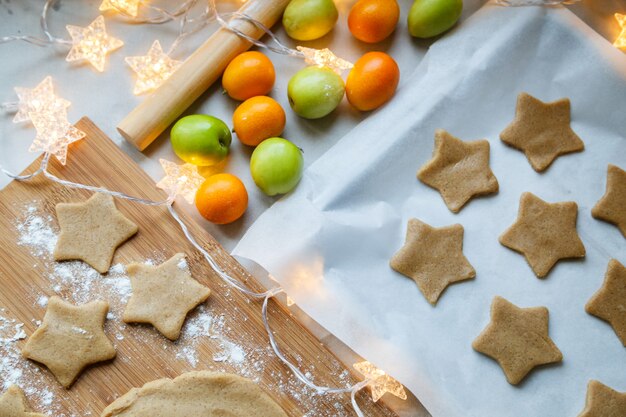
602,401
13,404
542,131
433,258
612,206
609,303
70,339
544,233
517,338
91,231
163,295
458,170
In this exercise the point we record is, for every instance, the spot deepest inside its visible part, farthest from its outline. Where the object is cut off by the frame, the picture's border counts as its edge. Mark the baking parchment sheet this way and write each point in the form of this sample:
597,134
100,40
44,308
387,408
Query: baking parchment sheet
329,243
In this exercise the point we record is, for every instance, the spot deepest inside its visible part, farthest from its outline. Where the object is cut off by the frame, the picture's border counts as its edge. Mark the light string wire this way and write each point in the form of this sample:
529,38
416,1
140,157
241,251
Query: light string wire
520,3
49,39
228,279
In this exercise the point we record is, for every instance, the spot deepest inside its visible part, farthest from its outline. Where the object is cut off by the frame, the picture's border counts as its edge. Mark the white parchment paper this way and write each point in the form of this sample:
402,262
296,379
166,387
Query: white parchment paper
330,242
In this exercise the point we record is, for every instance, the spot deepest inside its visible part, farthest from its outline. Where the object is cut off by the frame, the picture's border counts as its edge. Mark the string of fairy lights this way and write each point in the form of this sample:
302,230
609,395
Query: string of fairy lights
47,112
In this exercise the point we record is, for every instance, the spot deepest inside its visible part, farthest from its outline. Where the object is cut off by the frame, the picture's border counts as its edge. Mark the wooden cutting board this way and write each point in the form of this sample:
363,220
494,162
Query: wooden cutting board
235,341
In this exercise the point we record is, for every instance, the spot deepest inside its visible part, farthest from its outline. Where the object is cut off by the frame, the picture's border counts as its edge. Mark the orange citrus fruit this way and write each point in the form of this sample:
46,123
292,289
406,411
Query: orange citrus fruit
373,81
257,119
222,198
373,20
249,74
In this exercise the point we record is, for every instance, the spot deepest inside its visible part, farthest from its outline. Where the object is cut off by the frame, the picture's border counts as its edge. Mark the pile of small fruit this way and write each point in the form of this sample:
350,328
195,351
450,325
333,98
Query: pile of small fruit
276,164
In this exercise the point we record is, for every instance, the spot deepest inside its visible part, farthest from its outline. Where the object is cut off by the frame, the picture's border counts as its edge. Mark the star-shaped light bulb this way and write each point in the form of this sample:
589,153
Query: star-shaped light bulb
40,99
324,58
620,42
54,134
91,43
129,7
381,383
183,180
152,69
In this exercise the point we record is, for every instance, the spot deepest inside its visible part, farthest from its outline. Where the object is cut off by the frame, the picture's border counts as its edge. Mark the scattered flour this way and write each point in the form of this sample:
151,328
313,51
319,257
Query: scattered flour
42,301
182,264
77,282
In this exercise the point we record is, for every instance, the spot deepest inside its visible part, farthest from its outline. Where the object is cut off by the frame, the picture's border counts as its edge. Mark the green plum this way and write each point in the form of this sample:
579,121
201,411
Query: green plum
315,92
305,20
201,139
276,166
428,18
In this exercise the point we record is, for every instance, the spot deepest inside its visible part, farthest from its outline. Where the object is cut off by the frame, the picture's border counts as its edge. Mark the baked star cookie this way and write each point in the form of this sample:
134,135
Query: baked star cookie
542,131
13,404
433,258
612,206
70,338
544,233
91,231
196,394
163,295
603,401
517,338
609,303
458,170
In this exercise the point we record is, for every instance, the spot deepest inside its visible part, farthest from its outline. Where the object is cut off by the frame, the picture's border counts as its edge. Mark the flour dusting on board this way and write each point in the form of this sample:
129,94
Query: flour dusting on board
207,340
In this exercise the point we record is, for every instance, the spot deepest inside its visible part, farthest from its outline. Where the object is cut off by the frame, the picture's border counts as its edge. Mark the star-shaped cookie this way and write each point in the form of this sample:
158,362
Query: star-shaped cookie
13,404
542,131
458,170
609,303
612,206
163,295
433,258
70,338
517,338
544,233
91,231
603,401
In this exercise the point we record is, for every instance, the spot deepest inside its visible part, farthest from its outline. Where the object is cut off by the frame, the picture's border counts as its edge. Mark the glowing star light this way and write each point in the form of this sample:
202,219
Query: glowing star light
130,7
54,134
38,100
381,383
324,58
91,43
620,42
182,180
152,69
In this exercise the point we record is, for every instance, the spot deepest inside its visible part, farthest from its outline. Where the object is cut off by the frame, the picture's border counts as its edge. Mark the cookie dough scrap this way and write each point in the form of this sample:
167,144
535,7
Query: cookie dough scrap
612,206
603,401
70,338
196,394
13,404
609,303
91,231
458,170
542,131
517,338
433,258
544,233
163,295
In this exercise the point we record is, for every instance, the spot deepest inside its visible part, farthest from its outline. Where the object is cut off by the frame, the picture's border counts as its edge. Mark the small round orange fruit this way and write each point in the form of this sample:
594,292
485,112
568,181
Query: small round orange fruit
373,20
373,81
249,74
257,119
222,198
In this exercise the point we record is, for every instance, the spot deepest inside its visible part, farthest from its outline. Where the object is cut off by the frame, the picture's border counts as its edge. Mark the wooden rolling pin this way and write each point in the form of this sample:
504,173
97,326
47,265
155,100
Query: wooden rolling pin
151,117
